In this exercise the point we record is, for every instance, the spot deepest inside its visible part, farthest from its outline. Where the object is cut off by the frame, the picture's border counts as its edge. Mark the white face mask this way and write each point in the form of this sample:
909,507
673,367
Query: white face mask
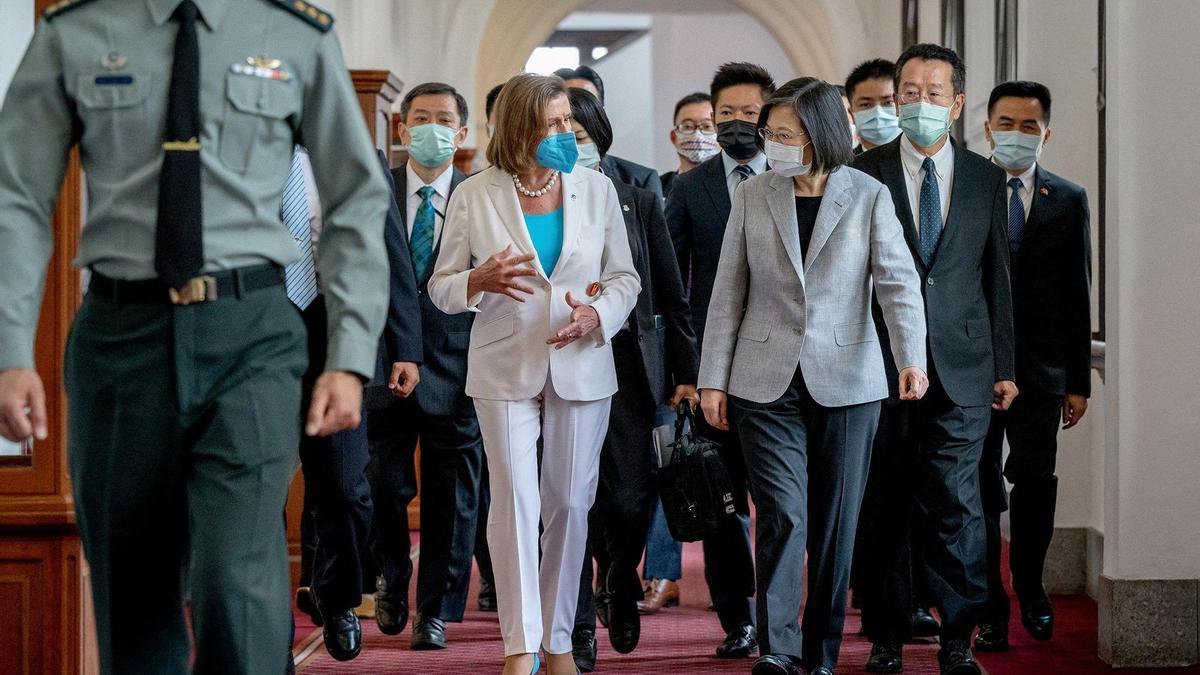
696,146
787,160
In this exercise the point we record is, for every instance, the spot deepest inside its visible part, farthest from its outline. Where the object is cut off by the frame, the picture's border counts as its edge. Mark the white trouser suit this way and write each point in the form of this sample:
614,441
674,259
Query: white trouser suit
525,389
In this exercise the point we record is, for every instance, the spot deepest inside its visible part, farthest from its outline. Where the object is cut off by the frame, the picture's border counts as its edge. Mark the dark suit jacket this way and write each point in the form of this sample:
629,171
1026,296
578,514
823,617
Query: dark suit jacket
661,319
968,301
632,173
668,180
401,339
1051,290
445,337
696,216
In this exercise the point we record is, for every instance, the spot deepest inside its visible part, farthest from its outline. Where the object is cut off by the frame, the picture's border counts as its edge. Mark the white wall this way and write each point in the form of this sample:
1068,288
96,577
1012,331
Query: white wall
16,27
629,99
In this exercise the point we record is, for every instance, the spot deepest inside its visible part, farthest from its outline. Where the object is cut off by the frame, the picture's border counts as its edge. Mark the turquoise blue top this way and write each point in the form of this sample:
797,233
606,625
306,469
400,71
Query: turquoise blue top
546,231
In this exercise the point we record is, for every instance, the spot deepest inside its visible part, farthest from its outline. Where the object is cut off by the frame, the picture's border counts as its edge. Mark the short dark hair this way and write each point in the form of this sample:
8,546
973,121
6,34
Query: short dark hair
875,69
583,73
434,89
787,90
698,97
819,106
1022,89
490,103
587,110
930,52
741,72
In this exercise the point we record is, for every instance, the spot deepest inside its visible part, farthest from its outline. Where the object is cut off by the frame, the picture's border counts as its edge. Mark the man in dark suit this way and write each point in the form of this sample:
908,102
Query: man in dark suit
1051,254
623,170
935,444
696,216
439,414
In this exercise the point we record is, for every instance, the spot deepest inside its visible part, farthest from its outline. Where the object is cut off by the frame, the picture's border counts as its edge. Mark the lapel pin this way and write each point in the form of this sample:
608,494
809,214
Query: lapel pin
572,197
625,207
113,61
593,289
1045,192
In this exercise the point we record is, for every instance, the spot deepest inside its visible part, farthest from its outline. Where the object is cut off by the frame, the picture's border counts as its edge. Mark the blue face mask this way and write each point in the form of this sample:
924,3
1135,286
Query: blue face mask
558,152
879,125
432,144
924,123
1016,150
589,155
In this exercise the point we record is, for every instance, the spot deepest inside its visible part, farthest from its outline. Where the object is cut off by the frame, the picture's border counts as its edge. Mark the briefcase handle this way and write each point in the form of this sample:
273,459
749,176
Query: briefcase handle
684,412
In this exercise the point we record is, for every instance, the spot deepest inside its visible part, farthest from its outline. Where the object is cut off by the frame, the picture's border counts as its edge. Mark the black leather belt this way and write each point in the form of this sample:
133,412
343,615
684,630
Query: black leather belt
229,283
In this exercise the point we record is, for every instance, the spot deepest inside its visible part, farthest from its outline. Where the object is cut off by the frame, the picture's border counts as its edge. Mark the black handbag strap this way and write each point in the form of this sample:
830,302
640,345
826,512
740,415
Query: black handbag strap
684,412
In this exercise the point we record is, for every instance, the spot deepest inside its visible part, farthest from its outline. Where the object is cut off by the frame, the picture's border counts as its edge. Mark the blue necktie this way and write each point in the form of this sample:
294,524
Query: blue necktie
300,278
930,213
743,171
1016,215
420,244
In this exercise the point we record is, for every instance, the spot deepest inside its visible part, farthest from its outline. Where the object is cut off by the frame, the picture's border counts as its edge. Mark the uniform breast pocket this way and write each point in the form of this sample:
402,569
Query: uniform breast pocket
113,106
256,119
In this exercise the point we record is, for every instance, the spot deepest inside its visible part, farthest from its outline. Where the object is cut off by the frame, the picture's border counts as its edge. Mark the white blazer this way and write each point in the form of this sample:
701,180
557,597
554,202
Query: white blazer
509,358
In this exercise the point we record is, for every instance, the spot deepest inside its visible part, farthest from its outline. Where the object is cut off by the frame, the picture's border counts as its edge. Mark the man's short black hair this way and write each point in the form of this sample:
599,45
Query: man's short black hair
741,72
583,73
875,69
587,110
490,103
819,106
1022,89
931,52
698,97
434,89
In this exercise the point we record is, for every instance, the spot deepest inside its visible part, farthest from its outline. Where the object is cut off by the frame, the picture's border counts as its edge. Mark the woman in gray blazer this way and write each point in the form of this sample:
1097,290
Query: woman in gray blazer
792,355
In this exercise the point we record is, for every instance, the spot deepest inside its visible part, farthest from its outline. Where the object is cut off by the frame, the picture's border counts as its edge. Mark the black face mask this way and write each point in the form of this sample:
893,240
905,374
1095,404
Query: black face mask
737,137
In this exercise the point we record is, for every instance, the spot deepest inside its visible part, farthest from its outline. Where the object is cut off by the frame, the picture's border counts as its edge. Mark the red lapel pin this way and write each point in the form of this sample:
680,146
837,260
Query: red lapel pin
1045,191
593,289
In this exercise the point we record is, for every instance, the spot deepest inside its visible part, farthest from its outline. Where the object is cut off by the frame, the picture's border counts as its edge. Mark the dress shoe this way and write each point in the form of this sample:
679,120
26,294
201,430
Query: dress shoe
625,624
992,637
583,649
603,602
739,643
820,670
924,625
955,658
305,602
391,614
1037,615
429,634
343,635
774,664
661,593
886,657
487,596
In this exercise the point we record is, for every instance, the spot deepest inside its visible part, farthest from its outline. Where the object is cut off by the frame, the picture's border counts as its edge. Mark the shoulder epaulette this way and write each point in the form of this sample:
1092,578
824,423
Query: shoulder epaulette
62,7
312,15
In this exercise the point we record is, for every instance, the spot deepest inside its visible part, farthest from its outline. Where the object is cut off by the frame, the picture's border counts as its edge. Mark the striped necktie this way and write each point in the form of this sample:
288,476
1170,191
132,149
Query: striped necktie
1016,215
930,213
420,244
743,171
300,278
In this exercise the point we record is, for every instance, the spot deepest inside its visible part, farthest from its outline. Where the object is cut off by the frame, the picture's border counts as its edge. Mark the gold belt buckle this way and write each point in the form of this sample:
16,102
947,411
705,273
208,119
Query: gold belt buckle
197,289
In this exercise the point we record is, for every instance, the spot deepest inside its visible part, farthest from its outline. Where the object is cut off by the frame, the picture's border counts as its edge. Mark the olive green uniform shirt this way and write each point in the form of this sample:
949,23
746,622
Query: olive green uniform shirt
98,74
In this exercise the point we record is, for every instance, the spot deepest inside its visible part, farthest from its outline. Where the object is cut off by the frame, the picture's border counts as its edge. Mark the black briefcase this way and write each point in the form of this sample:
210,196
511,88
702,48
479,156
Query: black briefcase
694,485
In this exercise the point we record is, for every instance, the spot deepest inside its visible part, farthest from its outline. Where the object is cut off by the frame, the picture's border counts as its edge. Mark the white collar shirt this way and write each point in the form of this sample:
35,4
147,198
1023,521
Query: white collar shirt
440,196
914,174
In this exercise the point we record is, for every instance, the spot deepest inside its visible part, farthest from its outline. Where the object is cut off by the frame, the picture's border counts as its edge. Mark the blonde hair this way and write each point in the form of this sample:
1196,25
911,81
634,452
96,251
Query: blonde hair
521,120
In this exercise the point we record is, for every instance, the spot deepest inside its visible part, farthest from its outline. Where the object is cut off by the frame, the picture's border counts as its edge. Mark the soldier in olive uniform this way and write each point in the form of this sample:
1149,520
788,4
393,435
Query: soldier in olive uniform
183,366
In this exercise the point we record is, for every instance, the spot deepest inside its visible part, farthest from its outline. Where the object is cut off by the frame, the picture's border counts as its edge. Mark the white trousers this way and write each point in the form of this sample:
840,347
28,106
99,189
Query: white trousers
537,606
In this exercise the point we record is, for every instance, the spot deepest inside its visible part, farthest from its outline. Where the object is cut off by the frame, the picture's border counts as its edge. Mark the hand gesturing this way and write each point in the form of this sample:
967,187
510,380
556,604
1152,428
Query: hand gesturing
498,274
584,320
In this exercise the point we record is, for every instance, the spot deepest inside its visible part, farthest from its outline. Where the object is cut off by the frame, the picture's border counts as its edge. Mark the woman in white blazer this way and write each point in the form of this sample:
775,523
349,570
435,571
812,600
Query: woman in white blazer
541,253
791,356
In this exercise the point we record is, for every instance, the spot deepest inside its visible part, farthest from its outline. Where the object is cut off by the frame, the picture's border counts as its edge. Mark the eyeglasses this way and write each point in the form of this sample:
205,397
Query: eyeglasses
912,96
705,127
785,137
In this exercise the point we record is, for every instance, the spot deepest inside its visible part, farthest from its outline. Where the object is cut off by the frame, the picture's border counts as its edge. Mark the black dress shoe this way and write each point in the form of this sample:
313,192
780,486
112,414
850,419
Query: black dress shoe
739,643
820,670
603,606
993,637
343,635
429,634
886,657
774,664
305,602
924,625
391,614
624,623
955,658
1037,616
583,648
487,596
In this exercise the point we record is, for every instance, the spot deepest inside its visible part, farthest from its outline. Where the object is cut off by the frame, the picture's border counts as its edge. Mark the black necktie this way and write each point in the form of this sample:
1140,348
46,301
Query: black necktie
178,242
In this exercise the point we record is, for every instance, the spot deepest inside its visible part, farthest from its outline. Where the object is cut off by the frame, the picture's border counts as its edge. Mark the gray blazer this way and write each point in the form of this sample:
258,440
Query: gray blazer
771,311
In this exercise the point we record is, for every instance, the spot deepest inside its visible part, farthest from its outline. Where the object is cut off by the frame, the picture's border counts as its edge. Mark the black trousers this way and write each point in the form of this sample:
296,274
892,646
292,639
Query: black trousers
337,497
451,472
1031,426
935,496
807,466
619,519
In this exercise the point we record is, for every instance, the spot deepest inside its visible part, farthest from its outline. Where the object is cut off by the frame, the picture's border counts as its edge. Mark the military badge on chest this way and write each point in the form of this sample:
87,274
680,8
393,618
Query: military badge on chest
262,66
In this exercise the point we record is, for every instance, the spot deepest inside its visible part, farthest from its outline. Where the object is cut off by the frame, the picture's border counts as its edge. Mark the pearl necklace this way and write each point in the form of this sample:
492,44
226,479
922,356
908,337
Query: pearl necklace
534,193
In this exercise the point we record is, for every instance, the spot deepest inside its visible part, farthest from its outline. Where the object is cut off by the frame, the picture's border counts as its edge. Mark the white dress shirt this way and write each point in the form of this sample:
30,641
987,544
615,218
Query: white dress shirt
315,221
441,195
732,180
943,166
1026,187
